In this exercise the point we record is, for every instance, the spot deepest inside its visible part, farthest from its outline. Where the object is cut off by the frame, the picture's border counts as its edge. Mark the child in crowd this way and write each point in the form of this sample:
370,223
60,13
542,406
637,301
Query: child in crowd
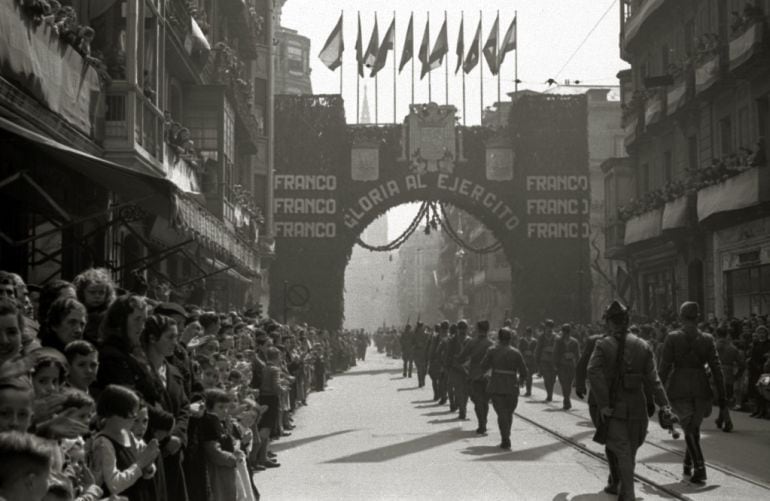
119,461
218,442
96,291
26,462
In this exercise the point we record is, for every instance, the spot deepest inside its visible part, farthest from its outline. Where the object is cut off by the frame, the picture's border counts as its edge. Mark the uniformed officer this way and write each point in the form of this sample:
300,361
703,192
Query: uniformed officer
527,346
420,344
472,355
581,377
565,356
683,361
544,358
457,372
406,350
622,372
733,365
507,372
436,362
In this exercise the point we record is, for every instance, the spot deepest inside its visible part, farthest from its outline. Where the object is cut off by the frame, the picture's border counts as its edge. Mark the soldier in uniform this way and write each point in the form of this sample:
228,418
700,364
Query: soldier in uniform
406,350
544,358
683,359
436,362
527,347
457,372
508,371
622,372
420,352
472,355
581,376
733,363
565,357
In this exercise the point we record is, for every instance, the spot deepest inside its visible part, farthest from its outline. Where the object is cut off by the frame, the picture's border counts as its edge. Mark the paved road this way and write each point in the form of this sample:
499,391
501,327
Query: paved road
374,436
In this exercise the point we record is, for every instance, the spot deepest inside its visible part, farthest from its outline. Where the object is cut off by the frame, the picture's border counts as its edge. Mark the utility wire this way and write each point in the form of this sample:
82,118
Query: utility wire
586,38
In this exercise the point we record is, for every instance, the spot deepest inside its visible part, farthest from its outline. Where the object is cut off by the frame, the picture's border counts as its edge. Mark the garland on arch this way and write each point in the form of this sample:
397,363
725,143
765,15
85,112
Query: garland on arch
401,239
456,238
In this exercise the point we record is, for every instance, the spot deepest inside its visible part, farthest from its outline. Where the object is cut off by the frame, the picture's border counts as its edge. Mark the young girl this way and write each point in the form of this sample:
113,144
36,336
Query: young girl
96,291
119,461
218,445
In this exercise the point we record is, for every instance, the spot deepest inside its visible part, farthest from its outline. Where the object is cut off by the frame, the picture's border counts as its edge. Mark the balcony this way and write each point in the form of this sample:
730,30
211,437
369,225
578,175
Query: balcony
182,23
133,124
747,189
748,49
679,214
706,73
678,94
655,109
614,239
644,227
643,10
248,22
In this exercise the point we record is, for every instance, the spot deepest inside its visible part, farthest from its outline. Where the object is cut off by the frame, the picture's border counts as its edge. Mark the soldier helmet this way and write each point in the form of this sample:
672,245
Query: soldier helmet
483,325
616,312
508,322
504,335
462,324
549,323
444,325
566,328
689,310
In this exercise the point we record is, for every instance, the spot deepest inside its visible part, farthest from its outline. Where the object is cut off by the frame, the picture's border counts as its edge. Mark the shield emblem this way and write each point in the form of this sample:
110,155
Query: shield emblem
365,164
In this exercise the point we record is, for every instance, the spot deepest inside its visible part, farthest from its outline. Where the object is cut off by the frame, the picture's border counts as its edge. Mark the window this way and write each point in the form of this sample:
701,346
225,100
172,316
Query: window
229,133
644,178
744,139
296,59
619,147
204,129
668,167
692,152
660,294
748,291
665,52
726,136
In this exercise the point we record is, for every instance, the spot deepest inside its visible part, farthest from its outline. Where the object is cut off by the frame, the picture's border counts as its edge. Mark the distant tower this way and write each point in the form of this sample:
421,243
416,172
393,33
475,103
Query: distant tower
365,117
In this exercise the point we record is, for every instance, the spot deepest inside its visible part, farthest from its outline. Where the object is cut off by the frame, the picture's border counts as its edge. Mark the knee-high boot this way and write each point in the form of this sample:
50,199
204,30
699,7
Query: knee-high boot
699,472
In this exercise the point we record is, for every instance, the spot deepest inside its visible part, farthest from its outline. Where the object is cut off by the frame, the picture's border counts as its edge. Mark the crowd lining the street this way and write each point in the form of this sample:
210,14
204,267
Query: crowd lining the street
105,393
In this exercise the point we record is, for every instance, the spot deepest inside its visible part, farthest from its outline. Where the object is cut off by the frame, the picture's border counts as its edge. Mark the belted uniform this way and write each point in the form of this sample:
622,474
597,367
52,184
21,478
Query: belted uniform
627,399
507,368
420,344
527,347
457,374
544,359
565,357
436,366
473,354
406,340
733,365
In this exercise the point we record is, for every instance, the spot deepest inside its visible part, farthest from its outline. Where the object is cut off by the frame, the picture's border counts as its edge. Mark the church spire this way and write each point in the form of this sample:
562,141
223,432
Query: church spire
365,116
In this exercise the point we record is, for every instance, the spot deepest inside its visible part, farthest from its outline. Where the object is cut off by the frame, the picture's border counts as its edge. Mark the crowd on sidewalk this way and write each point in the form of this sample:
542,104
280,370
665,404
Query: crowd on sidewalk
105,393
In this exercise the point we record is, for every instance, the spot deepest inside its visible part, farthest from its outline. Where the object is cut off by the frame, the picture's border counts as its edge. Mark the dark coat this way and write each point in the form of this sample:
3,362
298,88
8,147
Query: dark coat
581,369
641,378
507,369
473,354
682,361
566,353
544,350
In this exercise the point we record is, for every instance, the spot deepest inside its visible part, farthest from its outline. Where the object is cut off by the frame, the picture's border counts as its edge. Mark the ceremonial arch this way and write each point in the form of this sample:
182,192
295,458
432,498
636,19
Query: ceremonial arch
527,182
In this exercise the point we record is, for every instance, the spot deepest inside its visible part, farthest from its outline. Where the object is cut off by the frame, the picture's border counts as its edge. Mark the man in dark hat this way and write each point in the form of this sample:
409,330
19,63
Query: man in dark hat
527,347
181,358
565,357
507,373
472,355
622,373
683,358
436,362
457,371
544,358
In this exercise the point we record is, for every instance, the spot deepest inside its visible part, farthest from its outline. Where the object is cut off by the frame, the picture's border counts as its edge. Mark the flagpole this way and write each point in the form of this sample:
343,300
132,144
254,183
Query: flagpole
481,67
395,38
342,13
358,74
446,68
376,100
462,23
412,58
499,102
430,83
516,55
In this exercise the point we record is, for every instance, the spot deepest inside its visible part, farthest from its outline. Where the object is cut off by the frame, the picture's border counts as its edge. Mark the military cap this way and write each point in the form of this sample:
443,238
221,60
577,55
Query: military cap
444,325
548,322
689,310
615,311
508,322
483,325
462,324
566,327
169,309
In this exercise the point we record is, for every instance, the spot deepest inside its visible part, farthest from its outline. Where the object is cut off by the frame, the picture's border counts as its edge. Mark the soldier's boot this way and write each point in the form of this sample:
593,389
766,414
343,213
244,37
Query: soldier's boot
699,471
505,443
687,465
567,404
613,479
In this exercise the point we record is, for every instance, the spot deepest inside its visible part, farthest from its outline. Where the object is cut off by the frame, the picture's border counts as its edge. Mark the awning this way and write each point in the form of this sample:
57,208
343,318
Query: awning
152,192
644,227
742,47
676,214
747,189
706,74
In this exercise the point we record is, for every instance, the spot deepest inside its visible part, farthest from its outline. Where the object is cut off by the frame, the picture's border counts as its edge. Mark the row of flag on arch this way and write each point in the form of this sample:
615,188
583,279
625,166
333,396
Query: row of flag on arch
430,56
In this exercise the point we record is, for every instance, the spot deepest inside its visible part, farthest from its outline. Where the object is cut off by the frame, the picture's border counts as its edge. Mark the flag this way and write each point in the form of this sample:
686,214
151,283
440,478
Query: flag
472,59
425,51
388,42
490,48
509,42
408,52
460,47
440,48
331,54
360,49
371,51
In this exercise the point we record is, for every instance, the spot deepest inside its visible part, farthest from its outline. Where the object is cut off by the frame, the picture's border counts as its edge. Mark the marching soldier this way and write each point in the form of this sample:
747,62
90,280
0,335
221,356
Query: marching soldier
527,347
508,371
581,376
622,372
683,359
420,352
473,354
565,357
544,358
407,356
436,362
457,371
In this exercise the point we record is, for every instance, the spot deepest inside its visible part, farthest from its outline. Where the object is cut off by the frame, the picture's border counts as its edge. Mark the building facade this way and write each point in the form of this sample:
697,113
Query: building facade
418,294
143,149
686,209
292,75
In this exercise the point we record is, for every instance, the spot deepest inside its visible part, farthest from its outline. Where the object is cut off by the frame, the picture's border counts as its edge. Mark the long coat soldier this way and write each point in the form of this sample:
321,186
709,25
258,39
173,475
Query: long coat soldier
457,372
406,340
544,358
508,371
436,362
565,357
527,347
622,372
420,343
683,361
473,354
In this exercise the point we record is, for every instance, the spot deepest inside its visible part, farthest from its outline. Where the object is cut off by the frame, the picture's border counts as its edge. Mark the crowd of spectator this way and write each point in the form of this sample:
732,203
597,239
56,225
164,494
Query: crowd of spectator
108,394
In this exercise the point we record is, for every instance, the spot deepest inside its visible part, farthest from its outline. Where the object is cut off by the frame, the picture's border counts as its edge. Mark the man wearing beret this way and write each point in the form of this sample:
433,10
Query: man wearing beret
683,359
622,374
472,355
